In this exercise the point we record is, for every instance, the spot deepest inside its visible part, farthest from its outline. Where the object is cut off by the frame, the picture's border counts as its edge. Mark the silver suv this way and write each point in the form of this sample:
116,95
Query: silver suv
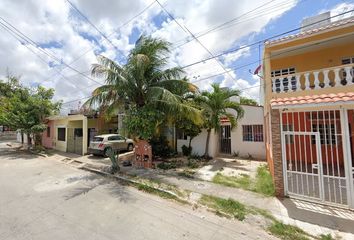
102,143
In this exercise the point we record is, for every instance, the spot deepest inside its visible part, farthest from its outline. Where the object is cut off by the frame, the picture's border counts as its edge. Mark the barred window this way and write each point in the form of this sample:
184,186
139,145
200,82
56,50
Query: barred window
48,132
252,133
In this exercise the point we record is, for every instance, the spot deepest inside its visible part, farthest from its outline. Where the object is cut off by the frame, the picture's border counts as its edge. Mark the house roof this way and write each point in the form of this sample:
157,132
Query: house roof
323,99
333,25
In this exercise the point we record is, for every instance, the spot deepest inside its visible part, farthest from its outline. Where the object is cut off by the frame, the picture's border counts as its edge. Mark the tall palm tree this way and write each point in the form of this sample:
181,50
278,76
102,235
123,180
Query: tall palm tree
144,80
215,105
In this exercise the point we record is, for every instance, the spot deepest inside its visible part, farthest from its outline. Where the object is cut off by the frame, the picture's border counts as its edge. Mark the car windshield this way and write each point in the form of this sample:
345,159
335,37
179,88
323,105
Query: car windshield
97,139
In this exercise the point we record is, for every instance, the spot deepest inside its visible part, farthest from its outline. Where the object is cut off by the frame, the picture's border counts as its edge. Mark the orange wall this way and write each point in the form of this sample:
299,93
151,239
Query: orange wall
313,60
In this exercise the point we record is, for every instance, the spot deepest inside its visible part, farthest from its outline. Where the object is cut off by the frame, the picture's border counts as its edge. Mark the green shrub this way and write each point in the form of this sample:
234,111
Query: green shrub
166,165
186,150
160,147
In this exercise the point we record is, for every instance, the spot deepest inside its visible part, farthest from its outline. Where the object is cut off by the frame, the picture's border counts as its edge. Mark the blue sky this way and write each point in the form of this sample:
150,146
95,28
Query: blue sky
60,30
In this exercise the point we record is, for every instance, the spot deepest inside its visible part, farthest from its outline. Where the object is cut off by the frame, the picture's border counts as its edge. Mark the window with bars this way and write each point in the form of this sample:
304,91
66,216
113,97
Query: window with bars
48,132
289,84
252,133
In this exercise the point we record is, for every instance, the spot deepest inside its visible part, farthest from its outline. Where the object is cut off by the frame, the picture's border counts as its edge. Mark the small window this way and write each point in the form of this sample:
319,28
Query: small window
97,139
252,133
48,132
78,132
61,134
181,135
115,138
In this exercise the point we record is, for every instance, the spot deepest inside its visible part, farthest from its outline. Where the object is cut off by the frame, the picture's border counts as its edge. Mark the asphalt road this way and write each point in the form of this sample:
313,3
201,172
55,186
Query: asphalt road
43,199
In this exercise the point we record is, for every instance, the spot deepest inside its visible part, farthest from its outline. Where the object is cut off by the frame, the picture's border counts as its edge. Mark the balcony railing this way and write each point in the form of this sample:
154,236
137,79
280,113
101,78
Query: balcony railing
317,79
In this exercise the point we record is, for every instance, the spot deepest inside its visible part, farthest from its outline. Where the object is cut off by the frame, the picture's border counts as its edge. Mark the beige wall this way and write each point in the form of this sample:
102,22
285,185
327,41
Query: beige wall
253,115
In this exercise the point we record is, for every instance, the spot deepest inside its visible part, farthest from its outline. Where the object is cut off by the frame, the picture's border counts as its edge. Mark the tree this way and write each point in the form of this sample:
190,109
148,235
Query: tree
143,85
215,105
248,101
26,108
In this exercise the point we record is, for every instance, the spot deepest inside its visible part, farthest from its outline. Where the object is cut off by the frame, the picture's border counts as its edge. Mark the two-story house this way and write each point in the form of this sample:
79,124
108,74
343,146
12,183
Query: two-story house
309,112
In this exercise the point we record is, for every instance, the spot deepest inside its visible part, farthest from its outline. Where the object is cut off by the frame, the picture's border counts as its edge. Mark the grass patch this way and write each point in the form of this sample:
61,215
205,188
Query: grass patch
224,207
186,173
287,232
262,183
326,237
163,194
244,181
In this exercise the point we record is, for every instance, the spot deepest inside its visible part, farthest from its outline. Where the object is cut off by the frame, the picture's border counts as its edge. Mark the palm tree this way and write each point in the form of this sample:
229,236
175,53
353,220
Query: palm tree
143,81
215,105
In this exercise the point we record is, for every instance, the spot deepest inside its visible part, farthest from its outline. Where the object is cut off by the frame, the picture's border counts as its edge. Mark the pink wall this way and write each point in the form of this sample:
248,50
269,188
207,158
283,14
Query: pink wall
47,141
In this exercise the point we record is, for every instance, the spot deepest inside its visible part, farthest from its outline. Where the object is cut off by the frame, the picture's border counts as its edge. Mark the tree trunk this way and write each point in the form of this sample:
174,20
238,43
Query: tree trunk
190,142
38,139
206,154
29,141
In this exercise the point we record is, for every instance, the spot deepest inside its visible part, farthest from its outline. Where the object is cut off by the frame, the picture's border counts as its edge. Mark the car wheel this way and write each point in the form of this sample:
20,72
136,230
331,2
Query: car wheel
105,153
130,147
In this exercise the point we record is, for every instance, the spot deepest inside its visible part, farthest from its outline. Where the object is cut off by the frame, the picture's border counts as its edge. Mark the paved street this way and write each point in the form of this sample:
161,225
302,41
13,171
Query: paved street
42,199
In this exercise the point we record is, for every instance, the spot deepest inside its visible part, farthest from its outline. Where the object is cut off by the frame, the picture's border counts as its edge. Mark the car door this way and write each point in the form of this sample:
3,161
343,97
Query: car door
122,143
113,142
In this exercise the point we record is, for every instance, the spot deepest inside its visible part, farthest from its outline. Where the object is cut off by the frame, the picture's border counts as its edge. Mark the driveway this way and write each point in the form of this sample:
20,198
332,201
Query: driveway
43,199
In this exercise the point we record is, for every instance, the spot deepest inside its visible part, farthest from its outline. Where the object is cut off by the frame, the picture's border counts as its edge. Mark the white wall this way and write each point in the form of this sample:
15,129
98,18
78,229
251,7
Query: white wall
253,116
198,143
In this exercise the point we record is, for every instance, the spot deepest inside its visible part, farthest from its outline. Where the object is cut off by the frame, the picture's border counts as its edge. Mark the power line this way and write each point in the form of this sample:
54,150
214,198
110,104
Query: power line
31,42
255,62
123,25
264,58
263,40
215,28
93,25
200,43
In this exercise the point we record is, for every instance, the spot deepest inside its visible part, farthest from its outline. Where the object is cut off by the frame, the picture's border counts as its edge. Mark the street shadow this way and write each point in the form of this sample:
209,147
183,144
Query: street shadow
327,216
16,154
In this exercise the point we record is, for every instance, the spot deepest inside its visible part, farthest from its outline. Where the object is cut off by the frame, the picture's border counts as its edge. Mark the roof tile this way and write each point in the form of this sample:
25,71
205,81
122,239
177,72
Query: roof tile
312,31
323,98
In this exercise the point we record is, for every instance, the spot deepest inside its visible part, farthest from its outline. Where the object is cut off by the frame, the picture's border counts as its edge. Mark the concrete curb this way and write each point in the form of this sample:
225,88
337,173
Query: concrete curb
130,181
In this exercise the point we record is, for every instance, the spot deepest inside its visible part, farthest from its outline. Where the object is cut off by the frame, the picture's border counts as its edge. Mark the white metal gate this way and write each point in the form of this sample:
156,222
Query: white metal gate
313,156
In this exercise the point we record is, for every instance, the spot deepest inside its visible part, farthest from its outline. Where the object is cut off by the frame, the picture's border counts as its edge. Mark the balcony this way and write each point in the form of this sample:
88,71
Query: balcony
338,76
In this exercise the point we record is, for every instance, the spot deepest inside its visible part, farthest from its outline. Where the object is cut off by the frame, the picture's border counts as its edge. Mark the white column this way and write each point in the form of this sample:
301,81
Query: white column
336,77
274,87
349,77
307,81
326,78
298,83
316,81
347,156
84,135
281,84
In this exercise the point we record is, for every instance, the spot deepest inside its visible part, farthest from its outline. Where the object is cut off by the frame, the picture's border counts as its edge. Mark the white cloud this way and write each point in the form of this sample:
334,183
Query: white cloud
54,21
342,8
231,57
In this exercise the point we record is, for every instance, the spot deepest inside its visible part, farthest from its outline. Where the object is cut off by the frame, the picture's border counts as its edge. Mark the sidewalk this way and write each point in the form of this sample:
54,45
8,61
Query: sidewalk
313,218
